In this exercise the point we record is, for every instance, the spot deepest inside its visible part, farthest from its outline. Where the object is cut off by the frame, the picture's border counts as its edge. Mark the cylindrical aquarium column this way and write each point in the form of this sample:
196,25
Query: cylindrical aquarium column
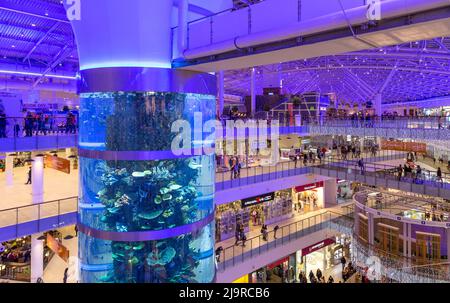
146,215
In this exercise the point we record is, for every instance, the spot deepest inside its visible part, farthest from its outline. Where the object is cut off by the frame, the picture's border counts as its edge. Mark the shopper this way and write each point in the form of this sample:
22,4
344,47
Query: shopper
418,173
29,177
243,237
236,169
318,274
218,252
76,230
330,279
439,174
16,129
231,165
28,125
65,275
311,276
399,172
275,229
237,234
264,232
361,166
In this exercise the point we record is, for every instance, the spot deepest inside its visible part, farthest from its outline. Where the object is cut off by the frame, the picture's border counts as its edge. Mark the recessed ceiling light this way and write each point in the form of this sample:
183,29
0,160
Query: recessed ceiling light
13,46
33,25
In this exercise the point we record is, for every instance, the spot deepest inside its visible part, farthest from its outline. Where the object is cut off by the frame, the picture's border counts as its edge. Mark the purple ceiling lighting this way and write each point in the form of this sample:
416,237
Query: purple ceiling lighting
37,33
413,71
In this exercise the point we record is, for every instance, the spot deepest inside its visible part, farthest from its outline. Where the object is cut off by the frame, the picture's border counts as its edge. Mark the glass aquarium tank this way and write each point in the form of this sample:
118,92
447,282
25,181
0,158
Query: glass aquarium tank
155,191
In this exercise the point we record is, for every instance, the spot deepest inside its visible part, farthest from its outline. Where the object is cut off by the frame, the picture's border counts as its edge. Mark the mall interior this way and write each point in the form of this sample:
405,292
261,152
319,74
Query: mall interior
259,141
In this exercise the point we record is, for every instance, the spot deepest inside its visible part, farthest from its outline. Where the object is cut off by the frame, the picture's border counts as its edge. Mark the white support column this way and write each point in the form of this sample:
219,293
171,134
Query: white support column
37,246
37,258
378,105
371,228
37,179
9,170
221,93
329,193
183,9
253,91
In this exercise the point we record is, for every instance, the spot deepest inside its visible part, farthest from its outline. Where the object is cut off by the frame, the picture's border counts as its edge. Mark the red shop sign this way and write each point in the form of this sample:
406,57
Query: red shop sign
308,186
275,264
317,246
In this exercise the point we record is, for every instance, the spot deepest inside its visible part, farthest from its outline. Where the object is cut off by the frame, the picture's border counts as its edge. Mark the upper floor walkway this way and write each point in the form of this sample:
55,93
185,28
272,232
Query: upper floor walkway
50,137
416,128
293,235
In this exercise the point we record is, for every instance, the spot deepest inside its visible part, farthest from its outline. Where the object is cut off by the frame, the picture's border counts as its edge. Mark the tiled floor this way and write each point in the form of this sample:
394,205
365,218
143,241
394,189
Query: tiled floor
57,185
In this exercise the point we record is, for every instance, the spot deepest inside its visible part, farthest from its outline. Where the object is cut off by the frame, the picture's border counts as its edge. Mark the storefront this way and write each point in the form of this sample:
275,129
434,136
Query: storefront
309,197
252,212
257,155
325,255
281,271
15,257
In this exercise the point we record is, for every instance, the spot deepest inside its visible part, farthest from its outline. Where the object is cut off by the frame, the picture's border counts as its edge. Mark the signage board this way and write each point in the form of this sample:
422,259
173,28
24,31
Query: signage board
404,146
308,186
60,164
317,246
59,249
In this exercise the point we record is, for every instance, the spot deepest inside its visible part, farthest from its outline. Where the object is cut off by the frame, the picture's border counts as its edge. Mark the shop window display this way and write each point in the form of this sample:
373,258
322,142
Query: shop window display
259,211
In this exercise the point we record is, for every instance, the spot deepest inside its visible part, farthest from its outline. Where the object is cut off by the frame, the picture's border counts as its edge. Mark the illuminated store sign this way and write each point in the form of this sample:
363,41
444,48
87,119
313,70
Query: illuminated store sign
309,186
257,200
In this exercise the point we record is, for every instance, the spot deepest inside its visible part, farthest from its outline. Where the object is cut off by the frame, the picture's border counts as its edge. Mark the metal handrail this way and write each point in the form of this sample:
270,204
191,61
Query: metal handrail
288,168
38,214
386,170
287,233
37,204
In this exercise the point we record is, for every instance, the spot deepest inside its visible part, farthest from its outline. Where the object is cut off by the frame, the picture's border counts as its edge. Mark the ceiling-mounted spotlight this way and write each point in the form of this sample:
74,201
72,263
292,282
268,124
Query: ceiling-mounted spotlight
12,155
29,160
41,238
68,237
72,156
39,155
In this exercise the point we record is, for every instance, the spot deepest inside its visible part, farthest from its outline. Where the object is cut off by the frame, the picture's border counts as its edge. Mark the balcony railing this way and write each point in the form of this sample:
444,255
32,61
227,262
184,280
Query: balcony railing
25,134
425,177
251,175
30,219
